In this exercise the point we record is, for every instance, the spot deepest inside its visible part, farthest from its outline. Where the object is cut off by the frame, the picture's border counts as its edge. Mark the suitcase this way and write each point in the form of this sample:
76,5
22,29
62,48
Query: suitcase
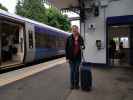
85,77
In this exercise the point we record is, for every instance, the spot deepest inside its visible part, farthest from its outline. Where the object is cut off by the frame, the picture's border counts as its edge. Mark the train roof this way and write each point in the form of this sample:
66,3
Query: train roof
23,20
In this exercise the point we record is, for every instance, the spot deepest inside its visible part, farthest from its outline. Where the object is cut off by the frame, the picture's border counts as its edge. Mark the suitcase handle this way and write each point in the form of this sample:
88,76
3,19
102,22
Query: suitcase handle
82,56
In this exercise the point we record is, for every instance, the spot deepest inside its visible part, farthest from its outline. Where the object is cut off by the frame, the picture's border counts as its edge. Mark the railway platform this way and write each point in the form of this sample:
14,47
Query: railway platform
50,81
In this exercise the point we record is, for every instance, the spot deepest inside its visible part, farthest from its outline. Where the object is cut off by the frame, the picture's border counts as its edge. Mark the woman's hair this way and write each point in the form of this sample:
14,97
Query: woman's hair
74,26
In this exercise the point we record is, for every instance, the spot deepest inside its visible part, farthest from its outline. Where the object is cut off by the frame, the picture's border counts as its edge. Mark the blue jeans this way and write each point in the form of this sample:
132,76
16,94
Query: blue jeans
74,72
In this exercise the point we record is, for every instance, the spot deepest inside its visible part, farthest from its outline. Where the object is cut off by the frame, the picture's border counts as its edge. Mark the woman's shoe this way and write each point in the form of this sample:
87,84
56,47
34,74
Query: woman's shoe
72,87
77,87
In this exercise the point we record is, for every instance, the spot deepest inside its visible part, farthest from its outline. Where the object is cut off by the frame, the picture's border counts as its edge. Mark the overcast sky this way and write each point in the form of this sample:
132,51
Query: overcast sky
10,5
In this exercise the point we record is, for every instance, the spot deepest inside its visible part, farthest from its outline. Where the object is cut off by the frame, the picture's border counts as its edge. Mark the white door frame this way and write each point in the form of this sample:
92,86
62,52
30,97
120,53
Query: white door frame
30,44
21,50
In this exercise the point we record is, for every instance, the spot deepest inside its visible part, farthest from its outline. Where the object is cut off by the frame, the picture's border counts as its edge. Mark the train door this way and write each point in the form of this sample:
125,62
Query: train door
30,43
11,42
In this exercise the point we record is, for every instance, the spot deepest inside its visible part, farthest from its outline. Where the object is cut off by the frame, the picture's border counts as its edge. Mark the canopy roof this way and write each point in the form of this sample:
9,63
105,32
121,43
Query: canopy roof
61,4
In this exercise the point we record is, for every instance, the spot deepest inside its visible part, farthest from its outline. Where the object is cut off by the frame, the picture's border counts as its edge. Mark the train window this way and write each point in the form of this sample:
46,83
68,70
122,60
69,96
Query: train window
30,39
60,42
45,40
51,41
41,40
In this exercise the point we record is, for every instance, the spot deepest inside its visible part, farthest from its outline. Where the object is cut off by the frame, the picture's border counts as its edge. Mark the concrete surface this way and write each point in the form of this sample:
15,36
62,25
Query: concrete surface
15,75
53,84
108,84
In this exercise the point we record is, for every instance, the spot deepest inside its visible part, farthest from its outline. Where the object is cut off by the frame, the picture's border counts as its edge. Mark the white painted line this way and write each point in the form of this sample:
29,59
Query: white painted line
13,76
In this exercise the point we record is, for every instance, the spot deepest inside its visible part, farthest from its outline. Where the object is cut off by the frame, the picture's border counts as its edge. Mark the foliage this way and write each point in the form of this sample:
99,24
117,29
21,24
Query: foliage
3,8
56,19
35,10
32,9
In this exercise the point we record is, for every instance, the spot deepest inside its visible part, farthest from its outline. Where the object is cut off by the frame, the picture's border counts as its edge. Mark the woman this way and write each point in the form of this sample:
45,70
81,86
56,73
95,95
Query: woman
74,45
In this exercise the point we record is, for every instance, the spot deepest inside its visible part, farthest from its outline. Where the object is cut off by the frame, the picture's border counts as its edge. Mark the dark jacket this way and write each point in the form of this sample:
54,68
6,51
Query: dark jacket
70,48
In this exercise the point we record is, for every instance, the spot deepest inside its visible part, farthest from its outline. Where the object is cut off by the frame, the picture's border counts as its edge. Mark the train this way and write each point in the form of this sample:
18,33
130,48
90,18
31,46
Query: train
24,41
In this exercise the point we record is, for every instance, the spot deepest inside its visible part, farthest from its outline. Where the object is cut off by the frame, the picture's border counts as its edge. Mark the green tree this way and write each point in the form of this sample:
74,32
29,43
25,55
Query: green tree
56,19
32,9
3,8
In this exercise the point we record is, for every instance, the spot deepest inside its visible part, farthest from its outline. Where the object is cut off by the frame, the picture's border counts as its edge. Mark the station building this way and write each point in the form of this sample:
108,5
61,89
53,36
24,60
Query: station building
100,22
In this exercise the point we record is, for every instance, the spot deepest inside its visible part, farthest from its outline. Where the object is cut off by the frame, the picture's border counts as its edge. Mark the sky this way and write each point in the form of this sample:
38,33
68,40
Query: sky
10,5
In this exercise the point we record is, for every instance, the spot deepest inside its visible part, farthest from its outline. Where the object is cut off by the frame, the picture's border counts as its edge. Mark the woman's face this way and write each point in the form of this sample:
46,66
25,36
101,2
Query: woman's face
75,30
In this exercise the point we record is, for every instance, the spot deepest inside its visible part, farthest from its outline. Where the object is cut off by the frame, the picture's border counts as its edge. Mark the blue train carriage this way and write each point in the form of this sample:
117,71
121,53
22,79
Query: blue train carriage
23,40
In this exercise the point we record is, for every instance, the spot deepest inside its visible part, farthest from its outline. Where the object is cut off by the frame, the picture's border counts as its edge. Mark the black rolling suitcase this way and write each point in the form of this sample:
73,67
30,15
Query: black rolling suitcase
85,77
